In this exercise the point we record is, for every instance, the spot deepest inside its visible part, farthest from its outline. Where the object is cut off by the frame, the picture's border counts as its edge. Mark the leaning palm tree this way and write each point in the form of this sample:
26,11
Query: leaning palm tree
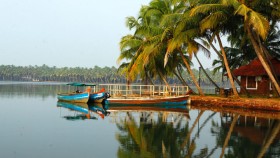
257,27
181,39
218,22
140,48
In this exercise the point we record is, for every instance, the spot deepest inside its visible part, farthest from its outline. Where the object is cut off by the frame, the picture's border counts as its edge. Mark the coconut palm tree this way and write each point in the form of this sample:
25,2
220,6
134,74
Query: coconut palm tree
219,22
257,27
181,39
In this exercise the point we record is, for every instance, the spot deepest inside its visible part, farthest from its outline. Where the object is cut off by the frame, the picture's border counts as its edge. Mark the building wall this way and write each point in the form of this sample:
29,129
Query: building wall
263,86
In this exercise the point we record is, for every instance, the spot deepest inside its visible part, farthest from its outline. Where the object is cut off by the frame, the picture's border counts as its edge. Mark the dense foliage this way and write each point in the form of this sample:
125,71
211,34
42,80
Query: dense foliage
168,33
78,74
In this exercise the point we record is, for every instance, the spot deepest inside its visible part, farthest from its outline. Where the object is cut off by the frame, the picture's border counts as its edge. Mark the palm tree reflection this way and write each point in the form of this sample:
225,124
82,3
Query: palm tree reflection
164,134
158,134
246,136
151,136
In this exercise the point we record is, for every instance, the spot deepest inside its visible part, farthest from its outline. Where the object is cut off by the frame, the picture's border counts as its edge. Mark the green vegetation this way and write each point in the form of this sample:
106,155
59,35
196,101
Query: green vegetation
168,33
77,74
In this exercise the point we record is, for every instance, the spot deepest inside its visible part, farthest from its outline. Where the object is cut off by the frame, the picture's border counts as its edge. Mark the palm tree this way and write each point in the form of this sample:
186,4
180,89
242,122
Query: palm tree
218,22
180,39
257,28
256,25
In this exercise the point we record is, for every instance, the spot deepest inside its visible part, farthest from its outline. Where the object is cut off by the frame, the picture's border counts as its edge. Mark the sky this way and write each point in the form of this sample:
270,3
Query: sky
65,33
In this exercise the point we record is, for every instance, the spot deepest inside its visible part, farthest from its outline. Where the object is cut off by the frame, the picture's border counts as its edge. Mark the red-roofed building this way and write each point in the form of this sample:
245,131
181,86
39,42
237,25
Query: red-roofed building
255,79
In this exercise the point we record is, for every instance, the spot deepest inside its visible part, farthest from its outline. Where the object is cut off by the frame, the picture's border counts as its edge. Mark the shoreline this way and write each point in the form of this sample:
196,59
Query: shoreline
267,104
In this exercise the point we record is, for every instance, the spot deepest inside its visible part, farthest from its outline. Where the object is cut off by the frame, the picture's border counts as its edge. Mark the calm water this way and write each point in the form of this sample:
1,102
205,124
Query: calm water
34,124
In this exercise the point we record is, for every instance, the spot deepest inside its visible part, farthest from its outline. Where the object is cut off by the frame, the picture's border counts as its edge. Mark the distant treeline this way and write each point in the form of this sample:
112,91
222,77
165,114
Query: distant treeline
90,75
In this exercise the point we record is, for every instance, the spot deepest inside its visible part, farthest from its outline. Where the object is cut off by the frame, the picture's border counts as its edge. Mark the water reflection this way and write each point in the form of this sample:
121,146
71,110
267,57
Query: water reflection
246,133
259,136
10,89
170,131
129,131
151,131
82,111
144,132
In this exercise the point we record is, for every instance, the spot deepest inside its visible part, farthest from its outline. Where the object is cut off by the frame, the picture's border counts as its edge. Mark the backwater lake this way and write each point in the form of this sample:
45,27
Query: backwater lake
34,125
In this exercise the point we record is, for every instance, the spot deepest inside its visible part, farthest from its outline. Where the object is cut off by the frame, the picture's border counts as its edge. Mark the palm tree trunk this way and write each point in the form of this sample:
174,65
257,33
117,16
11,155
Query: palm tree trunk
221,57
262,60
147,76
213,47
179,76
206,72
191,74
235,93
165,81
242,88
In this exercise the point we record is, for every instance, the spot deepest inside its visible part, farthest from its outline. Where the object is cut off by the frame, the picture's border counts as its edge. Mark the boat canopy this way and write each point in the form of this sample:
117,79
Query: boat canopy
80,84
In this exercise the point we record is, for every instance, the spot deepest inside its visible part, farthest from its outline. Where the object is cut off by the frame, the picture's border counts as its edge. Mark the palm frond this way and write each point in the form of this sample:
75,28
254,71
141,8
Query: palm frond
170,19
259,23
212,21
205,50
206,9
132,22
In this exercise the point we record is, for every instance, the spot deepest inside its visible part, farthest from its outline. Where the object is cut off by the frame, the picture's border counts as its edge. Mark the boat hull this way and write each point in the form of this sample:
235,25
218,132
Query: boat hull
96,97
73,97
182,100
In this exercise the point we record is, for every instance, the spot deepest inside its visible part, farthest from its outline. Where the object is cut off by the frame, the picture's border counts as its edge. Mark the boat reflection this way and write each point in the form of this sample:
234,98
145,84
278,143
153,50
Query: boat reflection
82,111
100,109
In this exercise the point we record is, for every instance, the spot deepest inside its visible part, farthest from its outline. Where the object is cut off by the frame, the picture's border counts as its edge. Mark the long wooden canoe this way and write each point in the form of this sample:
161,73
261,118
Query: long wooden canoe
178,100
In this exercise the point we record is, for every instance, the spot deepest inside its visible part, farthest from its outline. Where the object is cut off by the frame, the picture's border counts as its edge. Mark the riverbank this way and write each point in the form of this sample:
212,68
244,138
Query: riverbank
269,104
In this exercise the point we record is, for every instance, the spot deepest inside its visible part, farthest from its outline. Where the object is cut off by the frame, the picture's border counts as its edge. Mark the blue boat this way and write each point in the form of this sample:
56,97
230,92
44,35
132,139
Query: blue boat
77,96
74,97
94,97
99,96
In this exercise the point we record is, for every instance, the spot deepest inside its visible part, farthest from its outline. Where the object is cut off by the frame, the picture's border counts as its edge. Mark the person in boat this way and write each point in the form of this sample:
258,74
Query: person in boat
78,91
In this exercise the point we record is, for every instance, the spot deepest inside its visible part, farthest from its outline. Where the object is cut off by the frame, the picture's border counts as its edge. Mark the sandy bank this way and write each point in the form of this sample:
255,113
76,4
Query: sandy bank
244,103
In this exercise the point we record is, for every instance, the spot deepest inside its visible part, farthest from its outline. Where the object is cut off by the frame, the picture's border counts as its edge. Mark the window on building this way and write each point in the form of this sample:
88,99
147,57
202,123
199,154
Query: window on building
251,82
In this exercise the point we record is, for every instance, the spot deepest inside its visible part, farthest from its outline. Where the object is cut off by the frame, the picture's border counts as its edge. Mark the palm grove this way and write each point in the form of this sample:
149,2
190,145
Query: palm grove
167,34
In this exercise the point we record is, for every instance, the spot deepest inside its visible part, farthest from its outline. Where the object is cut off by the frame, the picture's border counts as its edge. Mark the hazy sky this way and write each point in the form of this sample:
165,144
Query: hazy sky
62,33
